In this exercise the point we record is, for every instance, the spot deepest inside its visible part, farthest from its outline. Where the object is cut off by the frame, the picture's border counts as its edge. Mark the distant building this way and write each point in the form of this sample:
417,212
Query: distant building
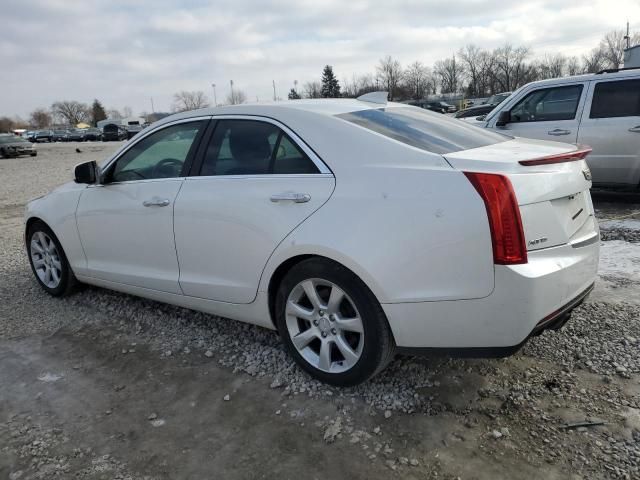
632,57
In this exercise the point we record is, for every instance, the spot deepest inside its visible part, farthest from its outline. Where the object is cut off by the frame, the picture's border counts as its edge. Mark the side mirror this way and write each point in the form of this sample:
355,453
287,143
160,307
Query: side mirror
504,117
87,172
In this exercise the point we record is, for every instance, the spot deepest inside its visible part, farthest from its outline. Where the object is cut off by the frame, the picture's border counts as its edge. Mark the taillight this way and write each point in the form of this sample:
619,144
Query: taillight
507,235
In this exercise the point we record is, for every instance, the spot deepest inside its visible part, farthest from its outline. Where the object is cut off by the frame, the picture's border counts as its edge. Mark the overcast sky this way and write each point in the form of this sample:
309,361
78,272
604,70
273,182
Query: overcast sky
124,52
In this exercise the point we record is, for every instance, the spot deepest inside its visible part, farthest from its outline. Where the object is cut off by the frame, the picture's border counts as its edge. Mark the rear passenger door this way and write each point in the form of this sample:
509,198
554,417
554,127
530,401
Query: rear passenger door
551,113
254,183
611,126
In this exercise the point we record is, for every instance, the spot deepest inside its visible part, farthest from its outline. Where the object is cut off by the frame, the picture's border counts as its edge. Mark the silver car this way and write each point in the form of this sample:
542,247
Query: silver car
600,110
14,146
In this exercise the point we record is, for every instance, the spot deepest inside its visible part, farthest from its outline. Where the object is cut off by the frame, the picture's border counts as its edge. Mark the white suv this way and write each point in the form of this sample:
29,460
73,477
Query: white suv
599,110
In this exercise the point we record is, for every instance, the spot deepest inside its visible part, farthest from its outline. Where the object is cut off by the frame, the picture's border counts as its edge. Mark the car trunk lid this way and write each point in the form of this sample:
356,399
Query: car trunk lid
553,195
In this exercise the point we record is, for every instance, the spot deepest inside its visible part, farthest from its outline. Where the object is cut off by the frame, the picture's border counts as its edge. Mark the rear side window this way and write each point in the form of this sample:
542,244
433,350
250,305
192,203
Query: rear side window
250,147
548,104
616,99
432,132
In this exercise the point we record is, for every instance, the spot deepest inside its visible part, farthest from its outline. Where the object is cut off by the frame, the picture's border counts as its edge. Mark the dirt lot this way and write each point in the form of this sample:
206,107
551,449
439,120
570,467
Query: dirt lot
103,385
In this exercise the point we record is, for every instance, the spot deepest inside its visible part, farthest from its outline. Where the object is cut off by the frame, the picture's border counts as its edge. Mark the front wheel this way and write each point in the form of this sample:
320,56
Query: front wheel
48,261
332,324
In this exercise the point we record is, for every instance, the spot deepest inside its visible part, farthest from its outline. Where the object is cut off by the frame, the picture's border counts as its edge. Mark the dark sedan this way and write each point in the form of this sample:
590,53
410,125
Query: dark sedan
43,136
92,134
60,136
113,132
76,135
14,146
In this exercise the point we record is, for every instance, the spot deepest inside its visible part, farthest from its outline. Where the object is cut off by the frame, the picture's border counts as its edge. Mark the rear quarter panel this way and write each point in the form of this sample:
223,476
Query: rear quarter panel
410,226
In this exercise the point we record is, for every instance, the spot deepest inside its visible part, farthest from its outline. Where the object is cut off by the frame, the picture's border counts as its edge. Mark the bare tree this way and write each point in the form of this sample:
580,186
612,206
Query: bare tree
418,80
358,85
40,118
312,89
474,61
594,61
450,74
390,74
6,124
613,45
574,67
183,101
551,66
71,111
114,114
511,71
236,97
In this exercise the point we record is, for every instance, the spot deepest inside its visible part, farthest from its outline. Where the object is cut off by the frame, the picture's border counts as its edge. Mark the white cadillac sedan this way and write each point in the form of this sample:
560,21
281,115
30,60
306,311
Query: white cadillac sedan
356,228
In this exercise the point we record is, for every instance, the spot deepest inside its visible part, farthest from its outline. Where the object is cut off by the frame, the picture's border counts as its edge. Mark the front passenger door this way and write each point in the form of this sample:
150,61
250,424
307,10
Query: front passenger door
126,223
548,114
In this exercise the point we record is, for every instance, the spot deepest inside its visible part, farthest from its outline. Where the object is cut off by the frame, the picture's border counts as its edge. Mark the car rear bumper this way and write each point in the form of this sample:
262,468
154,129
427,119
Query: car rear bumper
526,300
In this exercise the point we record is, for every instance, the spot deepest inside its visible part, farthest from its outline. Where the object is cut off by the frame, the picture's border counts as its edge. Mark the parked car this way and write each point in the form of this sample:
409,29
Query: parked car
14,146
92,134
440,107
113,132
264,213
60,136
600,110
76,135
43,136
484,108
30,135
133,130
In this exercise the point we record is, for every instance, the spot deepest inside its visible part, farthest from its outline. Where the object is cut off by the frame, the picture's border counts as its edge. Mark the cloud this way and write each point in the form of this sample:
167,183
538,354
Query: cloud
125,52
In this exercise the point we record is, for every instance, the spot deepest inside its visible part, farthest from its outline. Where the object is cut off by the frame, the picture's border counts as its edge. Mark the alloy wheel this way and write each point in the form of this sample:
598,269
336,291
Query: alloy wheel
324,325
46,259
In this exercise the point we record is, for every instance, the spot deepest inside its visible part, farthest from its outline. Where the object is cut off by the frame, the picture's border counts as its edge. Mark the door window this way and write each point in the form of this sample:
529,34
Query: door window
159,155
616,99
548,104
251,147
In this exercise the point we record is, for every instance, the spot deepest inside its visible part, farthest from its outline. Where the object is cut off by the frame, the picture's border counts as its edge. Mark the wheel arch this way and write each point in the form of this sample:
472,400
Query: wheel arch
287,264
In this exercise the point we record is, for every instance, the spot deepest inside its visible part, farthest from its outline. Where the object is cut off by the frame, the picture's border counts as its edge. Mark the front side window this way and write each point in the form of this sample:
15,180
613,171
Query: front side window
616,99
548,104
424,130
159,155
251,147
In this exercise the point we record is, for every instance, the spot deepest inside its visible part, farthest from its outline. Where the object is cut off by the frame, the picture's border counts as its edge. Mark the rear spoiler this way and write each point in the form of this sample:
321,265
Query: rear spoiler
579,154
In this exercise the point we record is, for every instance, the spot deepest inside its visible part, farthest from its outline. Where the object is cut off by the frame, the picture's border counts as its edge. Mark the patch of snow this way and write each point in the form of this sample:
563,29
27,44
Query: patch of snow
627,224
620,259
158,423
49,377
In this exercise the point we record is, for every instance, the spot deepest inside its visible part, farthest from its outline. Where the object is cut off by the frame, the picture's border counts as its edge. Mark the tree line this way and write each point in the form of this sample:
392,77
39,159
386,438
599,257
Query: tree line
471,71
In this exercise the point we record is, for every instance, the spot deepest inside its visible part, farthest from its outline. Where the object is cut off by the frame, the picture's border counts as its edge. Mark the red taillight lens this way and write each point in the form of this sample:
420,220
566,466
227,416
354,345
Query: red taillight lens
507,235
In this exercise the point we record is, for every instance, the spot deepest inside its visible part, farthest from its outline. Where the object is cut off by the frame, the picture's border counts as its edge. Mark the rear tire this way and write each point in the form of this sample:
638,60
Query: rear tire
48,261
340,337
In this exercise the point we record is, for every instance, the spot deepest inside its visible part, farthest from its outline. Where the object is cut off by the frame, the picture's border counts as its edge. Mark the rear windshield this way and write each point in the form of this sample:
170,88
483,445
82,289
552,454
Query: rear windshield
433,132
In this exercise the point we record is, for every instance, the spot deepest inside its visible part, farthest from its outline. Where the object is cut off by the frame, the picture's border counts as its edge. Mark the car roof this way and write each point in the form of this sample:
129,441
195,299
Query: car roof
588,77
324,106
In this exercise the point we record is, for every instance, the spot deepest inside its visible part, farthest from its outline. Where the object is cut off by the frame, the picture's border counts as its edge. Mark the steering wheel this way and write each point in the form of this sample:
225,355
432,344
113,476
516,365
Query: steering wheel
167,168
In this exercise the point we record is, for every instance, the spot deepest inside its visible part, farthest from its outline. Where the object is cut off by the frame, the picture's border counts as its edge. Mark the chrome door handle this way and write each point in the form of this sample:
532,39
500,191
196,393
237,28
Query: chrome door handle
292,197
559,131
635,129
156,202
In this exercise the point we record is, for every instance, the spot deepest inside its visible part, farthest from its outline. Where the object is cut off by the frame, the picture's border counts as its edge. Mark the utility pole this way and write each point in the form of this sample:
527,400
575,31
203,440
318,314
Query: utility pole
152,109
233,100
274,90
627,36
215,100
295,86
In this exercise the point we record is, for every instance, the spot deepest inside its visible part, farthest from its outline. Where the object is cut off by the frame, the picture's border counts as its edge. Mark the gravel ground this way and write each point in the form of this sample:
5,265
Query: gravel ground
566,406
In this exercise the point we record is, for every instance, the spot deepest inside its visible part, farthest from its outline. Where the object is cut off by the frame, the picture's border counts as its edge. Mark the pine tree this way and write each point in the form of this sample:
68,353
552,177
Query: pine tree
330,84
97,112
293,95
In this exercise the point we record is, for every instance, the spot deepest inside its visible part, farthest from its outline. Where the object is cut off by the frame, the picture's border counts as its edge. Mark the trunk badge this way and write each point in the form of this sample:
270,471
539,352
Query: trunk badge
537,241
587,174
